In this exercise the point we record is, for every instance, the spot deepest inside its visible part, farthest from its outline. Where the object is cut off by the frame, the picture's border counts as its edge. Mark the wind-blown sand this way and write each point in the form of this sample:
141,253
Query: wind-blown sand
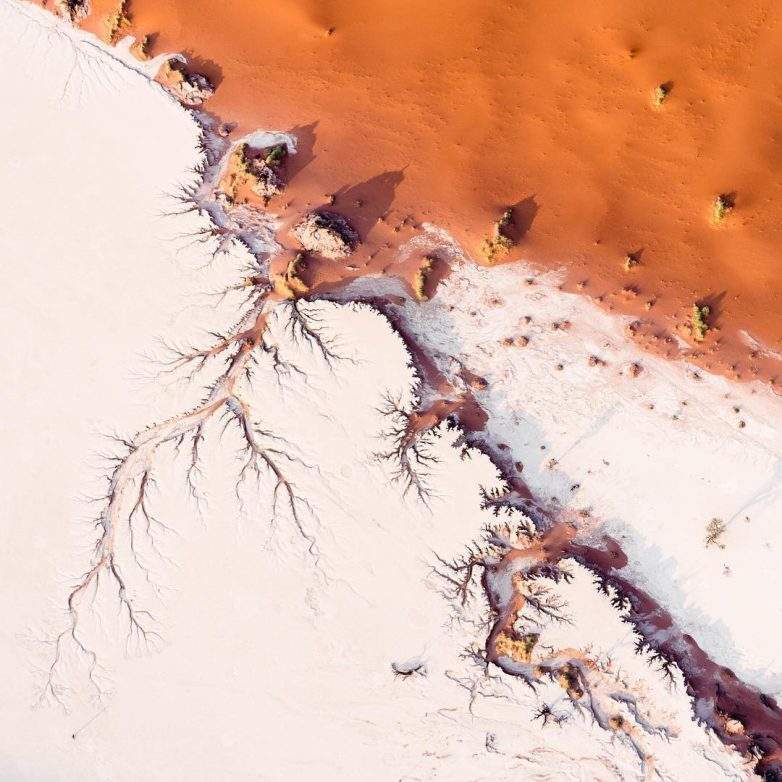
277,644
449,112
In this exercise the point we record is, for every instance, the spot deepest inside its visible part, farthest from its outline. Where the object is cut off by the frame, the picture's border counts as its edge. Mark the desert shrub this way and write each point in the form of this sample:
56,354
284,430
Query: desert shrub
698,322
714,531
720,208
421,276
499,243
660,94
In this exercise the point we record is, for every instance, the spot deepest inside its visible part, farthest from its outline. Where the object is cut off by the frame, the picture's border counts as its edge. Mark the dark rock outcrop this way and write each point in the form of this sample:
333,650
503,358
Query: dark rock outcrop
72,10
327,234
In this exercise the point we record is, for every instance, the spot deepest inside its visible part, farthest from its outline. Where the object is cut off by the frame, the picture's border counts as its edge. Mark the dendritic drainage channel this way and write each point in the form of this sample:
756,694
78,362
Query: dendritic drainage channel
125,515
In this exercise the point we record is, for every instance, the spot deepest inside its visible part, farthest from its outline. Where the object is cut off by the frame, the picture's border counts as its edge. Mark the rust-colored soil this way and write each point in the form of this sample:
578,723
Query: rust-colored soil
449,111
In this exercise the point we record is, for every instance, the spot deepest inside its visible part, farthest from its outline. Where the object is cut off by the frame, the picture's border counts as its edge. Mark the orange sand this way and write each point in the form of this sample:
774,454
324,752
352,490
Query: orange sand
449,111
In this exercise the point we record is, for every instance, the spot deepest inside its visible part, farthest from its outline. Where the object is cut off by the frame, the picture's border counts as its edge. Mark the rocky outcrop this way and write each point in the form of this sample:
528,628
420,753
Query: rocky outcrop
258,171
190,89
265,181
327,234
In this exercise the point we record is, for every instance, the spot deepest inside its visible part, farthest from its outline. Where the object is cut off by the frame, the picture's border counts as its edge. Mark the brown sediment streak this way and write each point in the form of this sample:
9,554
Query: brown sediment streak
448,112
718,694
449,401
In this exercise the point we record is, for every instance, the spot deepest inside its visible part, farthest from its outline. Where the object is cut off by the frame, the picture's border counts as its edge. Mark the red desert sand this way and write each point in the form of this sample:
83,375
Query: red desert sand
638,143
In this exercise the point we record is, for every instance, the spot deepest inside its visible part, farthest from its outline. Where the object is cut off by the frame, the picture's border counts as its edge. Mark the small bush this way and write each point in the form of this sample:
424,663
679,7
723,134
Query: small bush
660,94
697,326
516,647
289,285
714,531
117,23
276,155
421,276
720,208
499,243
141,47
698,322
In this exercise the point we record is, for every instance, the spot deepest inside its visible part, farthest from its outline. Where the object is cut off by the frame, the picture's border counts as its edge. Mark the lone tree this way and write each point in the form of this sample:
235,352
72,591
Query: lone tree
715,529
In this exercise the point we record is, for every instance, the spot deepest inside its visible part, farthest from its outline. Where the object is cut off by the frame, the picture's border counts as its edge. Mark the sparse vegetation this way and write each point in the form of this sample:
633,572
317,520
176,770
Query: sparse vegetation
514,566
190,89
723,204
238,170
714,532
141,47
289,284
517,647
117,24
660,94
276,154
258,173
698,326
506,219
631,261
499,243
421,276
546,714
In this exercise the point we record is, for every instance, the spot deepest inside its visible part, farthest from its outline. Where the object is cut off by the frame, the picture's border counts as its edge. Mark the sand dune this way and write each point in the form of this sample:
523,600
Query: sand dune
448,113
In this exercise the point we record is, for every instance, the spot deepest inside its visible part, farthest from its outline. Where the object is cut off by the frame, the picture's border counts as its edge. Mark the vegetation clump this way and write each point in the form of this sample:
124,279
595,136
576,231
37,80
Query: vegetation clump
258,172
660,94
141,47
117,24
723,204
570,681
289,284
517,647
421,276
499,243
631,261
698,325
714,532
276,155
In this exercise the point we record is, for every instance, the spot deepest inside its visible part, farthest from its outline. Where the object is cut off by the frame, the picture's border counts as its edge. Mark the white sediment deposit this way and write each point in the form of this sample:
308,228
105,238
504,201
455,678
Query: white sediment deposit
297,623
653,455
